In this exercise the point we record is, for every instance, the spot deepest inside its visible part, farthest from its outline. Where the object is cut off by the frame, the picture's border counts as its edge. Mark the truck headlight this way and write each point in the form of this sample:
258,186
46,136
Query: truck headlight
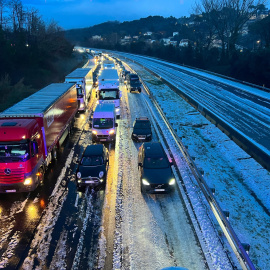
145,182
27,181
101,174
94,132
172,182
117,109
111,132
79,175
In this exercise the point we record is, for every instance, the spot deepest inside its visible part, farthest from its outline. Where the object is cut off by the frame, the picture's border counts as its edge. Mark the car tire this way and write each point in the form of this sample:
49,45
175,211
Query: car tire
142,189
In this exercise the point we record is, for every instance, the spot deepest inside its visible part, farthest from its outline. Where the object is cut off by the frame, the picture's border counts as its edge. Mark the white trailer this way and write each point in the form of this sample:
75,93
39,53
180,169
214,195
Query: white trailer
108,89
83,77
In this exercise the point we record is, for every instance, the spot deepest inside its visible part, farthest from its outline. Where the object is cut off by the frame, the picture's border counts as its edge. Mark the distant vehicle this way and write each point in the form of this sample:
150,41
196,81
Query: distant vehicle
108,64
155,169
133,83
108,89
93,166
31,132
83,77
104,124
124,74
142,130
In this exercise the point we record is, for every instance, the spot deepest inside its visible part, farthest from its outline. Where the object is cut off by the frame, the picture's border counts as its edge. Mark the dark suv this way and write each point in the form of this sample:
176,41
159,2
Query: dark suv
93,166
156,175
133,83
141,130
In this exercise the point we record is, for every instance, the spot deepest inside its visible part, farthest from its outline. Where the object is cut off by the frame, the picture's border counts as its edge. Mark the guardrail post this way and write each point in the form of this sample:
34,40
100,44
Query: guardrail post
246,247
227,214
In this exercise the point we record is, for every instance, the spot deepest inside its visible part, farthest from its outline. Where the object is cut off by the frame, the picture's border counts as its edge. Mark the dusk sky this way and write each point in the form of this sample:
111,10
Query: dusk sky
71,14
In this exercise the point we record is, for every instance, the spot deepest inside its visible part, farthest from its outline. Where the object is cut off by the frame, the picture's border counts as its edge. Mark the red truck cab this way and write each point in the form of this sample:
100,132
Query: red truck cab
21,155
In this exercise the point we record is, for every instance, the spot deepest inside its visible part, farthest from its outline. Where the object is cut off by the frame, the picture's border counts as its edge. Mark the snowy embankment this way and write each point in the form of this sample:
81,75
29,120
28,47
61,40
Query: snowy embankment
242,185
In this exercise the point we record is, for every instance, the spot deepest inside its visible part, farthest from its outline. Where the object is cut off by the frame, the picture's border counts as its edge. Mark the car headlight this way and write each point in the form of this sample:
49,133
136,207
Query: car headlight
101,174
94,132
111,132
135,135
117,110
27,181
79,175
172,182
81,105
145,182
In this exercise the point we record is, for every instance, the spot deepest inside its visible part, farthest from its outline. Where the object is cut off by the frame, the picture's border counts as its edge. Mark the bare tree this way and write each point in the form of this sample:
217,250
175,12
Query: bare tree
3,5
17,14
228,17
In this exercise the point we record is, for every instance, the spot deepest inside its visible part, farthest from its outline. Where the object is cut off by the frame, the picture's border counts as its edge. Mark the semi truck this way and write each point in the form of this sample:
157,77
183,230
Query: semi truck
108,89
31,131
83,77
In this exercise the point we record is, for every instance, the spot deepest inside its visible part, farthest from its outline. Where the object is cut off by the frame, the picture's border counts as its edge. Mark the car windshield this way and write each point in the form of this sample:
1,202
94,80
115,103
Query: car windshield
155,163
92,161
108,94
101,123
20,151
142,125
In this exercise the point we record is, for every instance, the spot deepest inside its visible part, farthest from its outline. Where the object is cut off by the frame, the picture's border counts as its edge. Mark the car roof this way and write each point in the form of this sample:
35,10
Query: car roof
153,149
93,150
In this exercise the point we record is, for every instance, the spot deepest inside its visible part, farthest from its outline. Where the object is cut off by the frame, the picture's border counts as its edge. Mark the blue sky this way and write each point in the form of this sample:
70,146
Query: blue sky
83,13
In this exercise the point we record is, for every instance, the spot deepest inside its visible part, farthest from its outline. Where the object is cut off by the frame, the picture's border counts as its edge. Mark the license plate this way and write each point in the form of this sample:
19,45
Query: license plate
103,140
10,190
89,182
159,189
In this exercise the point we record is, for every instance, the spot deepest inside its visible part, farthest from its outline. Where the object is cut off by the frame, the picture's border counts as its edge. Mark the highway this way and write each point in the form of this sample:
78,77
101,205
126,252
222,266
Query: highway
120,228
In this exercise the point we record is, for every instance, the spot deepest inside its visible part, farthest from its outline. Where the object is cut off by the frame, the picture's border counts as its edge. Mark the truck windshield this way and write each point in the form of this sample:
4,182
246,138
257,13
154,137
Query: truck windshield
108,94
100,123
17,151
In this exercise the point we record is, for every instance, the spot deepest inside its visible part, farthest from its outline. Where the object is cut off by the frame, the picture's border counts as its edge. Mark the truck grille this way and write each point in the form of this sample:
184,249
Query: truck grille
15,176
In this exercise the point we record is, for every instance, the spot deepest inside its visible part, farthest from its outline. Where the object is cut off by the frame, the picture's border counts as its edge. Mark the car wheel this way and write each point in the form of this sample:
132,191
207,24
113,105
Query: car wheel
142,189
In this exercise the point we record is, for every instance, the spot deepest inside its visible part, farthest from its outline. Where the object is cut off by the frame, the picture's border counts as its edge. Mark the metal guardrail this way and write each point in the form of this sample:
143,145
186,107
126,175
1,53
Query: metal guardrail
233,240
248,146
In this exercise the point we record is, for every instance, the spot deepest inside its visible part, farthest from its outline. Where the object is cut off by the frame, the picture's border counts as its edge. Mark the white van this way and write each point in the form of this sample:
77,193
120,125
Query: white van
104,123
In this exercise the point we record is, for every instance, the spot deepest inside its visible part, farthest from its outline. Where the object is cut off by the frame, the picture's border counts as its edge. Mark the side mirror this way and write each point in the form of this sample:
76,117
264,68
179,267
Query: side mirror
116,124
90,125
171,163
139,164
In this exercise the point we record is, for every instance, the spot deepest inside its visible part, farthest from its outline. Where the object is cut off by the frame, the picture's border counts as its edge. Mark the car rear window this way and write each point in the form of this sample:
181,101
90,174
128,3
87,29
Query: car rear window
155,163
142,124
92,161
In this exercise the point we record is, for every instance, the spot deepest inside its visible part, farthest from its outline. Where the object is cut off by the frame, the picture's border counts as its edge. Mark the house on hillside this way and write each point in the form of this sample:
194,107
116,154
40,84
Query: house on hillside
96,37
183,43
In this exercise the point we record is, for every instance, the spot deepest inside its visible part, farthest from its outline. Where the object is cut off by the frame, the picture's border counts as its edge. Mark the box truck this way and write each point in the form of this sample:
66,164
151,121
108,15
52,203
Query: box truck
30,133
108,89
83,78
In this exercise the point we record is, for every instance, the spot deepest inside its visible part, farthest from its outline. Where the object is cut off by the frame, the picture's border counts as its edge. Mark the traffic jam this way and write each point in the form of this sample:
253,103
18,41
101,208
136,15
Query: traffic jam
88,180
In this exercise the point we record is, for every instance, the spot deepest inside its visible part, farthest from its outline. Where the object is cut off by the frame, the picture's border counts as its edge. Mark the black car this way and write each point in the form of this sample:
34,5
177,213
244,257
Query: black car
93,166
156,175
133,83
141,130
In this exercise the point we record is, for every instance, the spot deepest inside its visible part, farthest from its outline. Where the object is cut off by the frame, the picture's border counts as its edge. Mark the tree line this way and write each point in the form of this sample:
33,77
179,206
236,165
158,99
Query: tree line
244,55
32,53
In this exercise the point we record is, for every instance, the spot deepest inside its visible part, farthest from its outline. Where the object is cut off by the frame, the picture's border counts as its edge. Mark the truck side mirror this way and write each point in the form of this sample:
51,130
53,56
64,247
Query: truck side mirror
116,124
90,125
139,164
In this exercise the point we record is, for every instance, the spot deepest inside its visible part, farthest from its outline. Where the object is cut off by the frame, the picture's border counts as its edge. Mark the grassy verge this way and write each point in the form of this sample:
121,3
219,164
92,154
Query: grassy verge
13,93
